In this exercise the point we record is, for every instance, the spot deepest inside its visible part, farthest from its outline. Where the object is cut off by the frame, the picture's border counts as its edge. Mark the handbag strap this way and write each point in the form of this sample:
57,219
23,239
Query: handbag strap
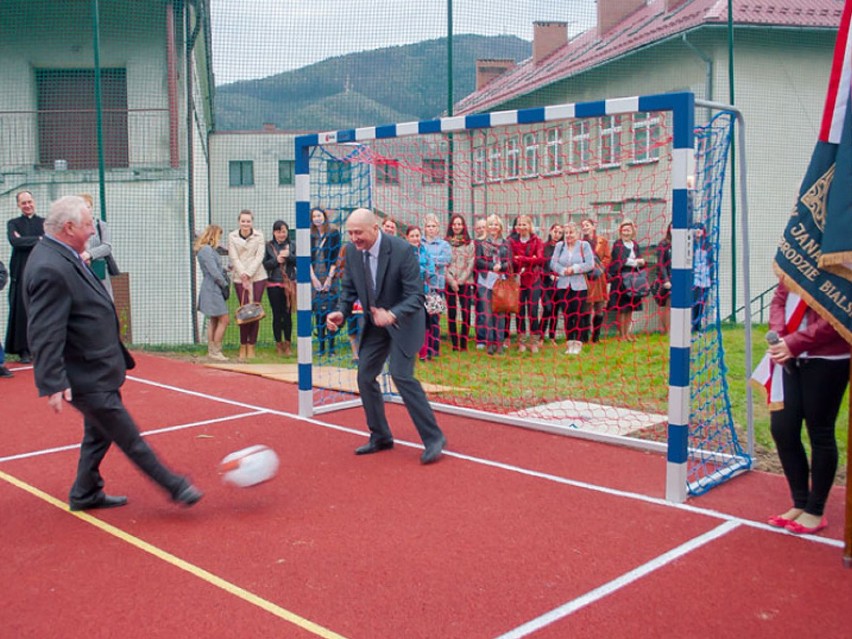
250,291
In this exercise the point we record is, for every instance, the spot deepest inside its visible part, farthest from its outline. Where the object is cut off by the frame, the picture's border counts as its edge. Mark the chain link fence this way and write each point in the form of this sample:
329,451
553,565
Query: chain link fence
177,114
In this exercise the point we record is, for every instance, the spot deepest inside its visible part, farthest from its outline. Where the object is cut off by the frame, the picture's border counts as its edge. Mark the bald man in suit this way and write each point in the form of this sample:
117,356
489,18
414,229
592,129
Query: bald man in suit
383,273
74,337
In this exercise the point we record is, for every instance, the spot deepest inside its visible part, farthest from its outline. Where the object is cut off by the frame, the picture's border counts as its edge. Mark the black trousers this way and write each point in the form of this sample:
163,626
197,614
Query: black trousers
106,420
282,320
813,390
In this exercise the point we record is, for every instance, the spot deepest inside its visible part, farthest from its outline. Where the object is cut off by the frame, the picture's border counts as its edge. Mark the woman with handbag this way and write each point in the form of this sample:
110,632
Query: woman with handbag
280,264
572,259
527,261
246,248
493,265
441,254
214,291
598,294
627,263
459,282
325,251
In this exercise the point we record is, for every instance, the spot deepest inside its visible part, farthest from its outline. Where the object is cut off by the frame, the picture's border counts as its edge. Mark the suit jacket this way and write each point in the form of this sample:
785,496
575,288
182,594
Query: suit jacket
399,289
72,324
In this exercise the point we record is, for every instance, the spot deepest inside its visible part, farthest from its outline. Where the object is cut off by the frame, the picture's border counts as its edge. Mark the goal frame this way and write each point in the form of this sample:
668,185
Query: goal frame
682,107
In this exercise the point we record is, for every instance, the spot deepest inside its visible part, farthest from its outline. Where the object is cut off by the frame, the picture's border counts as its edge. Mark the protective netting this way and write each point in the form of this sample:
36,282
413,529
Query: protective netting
176,114
584,367
715,447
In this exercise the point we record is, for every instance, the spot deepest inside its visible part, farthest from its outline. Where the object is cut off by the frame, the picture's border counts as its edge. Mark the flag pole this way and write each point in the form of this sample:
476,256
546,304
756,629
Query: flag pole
847,548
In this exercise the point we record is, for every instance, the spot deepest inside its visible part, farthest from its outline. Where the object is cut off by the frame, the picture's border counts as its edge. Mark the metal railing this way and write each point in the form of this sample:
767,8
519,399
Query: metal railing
29,139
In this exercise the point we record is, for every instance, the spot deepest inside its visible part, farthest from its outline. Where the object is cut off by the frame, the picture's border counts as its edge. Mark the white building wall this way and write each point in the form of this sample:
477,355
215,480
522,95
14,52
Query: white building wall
781,77
266,199
146,204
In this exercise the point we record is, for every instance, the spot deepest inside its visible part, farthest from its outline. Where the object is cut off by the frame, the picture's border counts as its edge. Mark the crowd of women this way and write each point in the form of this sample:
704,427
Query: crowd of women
570,279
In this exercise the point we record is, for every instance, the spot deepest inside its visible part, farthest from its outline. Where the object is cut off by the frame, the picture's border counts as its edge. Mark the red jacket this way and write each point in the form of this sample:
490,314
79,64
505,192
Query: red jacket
528,259
818,338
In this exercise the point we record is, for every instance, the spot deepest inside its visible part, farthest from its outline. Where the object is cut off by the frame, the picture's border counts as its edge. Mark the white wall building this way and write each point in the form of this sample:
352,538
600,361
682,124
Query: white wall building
155,147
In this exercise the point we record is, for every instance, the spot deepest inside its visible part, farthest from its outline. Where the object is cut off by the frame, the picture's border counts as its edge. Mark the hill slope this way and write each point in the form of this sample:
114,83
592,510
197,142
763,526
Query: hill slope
387,85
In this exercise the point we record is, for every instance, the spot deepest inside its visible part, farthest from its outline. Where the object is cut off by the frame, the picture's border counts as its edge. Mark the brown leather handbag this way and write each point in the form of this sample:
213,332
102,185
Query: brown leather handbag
250,311
506,295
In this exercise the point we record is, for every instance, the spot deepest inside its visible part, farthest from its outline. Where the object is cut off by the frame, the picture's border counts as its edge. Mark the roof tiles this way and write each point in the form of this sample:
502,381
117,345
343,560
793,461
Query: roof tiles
650,24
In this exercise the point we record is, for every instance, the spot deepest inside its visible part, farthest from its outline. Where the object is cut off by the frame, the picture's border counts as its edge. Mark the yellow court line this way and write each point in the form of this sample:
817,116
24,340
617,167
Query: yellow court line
194,570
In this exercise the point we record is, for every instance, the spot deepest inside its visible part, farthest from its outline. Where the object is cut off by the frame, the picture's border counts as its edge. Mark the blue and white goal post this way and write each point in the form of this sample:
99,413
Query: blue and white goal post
643,158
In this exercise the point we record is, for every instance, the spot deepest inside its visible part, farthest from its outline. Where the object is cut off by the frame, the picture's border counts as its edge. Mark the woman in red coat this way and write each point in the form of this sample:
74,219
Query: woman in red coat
528,260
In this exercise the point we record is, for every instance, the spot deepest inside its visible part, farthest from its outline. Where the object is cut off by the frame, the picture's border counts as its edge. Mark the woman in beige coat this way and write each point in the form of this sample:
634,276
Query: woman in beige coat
246,248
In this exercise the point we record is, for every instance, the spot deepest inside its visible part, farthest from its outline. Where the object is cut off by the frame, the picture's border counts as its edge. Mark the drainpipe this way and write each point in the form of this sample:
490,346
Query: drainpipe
708,62
171,64
191,34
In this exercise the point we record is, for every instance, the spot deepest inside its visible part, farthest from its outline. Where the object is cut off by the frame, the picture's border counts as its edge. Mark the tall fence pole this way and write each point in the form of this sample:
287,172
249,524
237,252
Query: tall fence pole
96,45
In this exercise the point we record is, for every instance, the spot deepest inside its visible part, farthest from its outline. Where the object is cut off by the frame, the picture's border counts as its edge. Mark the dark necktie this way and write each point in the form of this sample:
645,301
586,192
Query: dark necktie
371,285
89,273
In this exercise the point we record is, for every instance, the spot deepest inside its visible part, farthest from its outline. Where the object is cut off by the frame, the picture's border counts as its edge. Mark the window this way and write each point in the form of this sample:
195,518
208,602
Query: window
478,165
68,118
646,137
530,155
338,172
553,151
241,173
611,141
286,171
434,170
513,158
579,157
494,165
387,173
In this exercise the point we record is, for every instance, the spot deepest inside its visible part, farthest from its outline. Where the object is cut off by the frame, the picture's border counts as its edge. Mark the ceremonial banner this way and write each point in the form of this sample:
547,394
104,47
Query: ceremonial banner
814,258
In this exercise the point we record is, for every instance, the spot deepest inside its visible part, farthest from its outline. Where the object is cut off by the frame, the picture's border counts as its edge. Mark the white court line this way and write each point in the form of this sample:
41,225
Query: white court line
619,582
729,522
167,429
510,467
614,492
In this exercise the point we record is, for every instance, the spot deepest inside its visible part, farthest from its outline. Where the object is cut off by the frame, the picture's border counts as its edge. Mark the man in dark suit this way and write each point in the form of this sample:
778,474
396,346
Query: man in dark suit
23,232
383,273
79,357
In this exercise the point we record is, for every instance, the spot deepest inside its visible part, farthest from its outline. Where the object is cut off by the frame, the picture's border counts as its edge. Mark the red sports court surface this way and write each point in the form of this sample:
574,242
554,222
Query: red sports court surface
513,534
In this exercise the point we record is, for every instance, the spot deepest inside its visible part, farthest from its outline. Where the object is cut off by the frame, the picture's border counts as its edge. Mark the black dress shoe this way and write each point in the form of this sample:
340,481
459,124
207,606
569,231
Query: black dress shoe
25,358
433,451
373,447
5,372
104,501
188,495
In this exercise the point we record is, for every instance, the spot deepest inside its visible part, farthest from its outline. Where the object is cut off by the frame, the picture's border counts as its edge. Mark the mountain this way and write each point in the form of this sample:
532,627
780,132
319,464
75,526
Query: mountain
394,84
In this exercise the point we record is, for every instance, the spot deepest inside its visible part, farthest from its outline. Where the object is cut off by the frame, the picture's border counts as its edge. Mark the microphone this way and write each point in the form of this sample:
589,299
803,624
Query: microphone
772,338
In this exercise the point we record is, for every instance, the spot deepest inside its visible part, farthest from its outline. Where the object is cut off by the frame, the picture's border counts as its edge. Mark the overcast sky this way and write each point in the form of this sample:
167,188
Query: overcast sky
259,38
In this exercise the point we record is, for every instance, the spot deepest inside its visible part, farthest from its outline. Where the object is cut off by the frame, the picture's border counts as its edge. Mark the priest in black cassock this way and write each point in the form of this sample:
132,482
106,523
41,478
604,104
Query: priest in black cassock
24,233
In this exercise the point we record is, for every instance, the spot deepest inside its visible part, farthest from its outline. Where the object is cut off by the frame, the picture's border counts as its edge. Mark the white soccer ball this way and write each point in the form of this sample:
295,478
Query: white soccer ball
249,466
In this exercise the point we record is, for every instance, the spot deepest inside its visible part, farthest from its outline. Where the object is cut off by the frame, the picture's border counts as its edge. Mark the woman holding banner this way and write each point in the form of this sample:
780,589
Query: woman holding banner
814,360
